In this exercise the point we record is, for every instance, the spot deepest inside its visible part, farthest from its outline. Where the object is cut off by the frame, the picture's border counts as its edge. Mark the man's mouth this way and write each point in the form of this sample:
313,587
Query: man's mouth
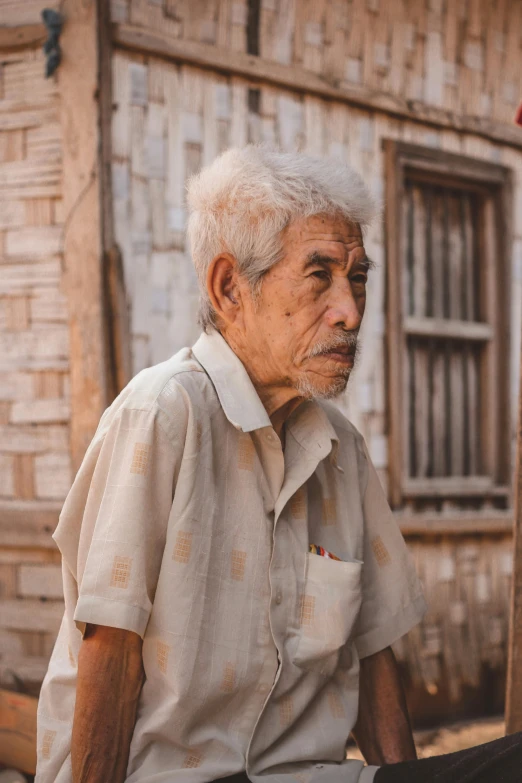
341,349
343,354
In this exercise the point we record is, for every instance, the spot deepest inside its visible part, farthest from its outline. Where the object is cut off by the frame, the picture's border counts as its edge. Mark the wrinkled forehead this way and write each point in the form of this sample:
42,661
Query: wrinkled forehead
323,229
323,235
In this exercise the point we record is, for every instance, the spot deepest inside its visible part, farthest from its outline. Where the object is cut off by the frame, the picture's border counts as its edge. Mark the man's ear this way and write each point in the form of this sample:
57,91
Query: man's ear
223,287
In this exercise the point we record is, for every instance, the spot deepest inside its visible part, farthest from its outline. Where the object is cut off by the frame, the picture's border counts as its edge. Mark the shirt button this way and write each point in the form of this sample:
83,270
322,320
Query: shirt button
279,597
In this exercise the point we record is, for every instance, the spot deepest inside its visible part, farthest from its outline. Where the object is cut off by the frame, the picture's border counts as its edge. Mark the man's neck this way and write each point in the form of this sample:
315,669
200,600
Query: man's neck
279,401
279,417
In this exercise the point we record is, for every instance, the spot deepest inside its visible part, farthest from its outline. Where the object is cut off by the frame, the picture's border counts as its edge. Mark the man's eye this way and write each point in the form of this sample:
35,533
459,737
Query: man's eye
360,279
321,274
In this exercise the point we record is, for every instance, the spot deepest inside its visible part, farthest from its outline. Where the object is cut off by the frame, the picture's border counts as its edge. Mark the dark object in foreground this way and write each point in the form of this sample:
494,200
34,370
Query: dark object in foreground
499,760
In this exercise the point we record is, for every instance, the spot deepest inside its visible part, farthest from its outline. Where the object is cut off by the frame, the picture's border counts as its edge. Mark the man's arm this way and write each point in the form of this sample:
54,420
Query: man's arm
383,731
110,676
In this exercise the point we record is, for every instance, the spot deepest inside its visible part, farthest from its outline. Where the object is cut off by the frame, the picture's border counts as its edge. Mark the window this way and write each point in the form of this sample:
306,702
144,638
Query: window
447,238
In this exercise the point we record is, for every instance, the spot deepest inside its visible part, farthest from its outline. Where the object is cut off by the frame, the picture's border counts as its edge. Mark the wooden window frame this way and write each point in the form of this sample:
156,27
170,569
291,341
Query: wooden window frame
495,181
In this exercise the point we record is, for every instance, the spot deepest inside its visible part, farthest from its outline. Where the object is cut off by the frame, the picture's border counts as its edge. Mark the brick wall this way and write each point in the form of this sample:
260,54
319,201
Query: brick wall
35,470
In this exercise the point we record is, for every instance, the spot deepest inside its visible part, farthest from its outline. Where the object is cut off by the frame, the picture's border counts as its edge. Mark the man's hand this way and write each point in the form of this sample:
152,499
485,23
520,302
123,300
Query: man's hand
383,731
110,676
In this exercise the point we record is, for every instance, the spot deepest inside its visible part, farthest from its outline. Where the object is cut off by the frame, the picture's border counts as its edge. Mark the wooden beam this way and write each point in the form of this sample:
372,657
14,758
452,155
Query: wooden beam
29,668
432,163
82,80
118,339
451,486
296,78
455,524
505,213
27,614
394,185
118,321
22,37
514,672
28,523
442,327
489,386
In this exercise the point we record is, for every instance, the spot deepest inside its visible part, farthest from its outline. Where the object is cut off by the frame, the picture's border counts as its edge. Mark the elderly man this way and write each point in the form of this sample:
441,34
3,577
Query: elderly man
233,575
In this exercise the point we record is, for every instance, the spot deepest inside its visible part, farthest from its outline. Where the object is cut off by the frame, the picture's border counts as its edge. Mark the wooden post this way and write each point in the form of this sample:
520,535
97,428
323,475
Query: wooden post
394,193
78,78
91,285
514,674
117,327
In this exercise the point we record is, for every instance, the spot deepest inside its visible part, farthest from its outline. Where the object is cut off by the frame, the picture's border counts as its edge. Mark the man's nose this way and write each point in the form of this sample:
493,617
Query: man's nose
344,311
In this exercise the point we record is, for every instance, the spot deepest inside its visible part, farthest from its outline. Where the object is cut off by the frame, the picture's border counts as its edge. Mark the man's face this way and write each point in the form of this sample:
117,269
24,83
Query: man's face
303,328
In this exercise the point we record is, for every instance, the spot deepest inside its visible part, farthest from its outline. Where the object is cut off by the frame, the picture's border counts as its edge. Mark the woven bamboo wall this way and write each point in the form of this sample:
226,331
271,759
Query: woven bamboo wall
468,583
35,471
462,55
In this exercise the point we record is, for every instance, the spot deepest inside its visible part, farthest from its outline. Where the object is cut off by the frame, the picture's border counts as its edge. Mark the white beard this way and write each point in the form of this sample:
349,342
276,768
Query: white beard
309,391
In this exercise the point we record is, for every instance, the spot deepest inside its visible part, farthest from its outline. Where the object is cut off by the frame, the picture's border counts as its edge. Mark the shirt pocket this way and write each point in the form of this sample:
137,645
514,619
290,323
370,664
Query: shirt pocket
327,610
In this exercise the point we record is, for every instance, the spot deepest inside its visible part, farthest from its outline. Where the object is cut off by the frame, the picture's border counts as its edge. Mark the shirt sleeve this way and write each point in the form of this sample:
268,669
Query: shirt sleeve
392,599
119,507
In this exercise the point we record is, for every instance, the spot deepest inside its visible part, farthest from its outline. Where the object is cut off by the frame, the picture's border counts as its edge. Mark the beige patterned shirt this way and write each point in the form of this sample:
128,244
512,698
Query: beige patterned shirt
187,524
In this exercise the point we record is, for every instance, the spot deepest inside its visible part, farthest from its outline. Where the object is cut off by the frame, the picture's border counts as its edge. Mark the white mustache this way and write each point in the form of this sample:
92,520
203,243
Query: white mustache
345,340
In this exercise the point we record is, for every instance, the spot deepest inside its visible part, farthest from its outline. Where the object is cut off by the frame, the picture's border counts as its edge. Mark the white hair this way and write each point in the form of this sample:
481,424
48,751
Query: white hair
243,201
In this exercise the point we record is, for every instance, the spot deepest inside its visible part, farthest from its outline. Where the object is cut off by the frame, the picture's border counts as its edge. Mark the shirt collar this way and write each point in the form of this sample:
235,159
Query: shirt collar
309,424
313,430
236,392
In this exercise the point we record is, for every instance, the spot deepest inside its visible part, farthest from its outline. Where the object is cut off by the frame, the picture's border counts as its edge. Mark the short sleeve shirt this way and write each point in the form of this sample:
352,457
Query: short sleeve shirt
188,525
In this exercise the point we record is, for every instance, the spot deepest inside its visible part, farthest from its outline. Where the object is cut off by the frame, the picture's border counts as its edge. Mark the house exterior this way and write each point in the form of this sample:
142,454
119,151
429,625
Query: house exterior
96,281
